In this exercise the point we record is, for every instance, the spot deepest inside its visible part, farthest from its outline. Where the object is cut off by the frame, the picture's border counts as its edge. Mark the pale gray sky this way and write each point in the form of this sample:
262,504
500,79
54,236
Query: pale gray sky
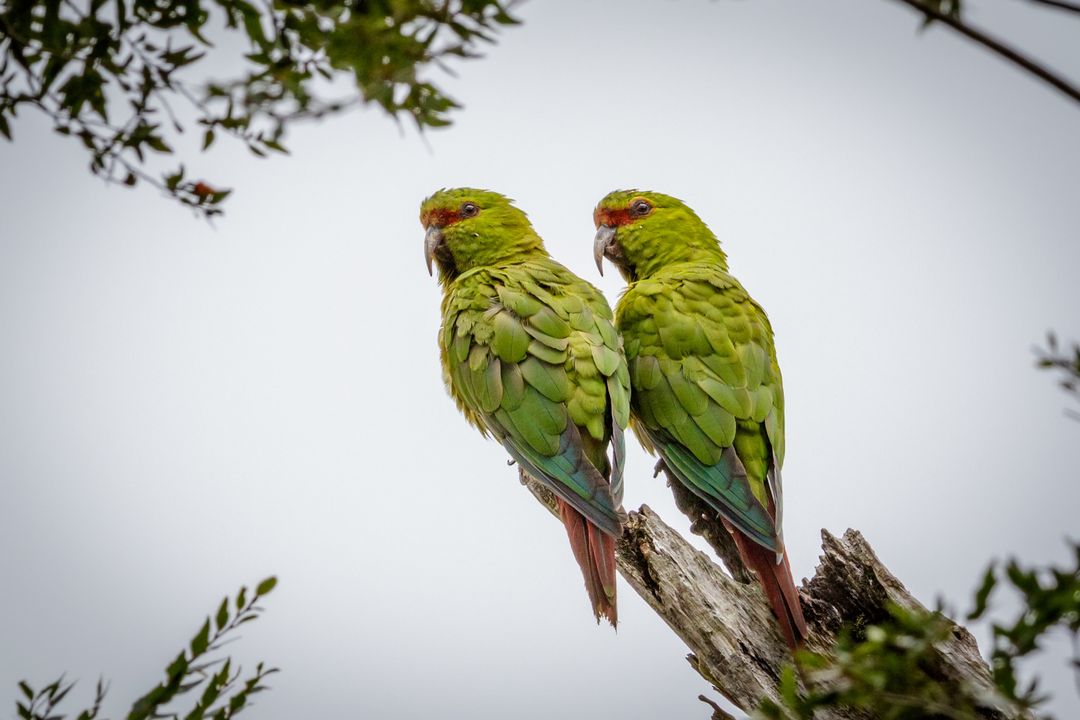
186,408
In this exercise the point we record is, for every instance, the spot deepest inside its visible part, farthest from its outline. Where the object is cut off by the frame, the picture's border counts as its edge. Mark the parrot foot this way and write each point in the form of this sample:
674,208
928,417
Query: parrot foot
511,462
658,468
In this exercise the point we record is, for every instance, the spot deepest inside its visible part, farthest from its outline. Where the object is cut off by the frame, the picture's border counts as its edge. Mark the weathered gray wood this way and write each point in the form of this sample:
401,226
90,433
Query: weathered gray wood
727,624
730,630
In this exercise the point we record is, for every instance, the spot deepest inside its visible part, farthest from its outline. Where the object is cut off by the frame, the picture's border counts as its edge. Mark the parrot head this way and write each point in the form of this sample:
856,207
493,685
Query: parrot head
468,228
642,232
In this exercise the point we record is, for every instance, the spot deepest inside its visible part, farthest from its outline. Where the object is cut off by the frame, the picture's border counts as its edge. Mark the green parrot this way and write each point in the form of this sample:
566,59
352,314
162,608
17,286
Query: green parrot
531,357
706,389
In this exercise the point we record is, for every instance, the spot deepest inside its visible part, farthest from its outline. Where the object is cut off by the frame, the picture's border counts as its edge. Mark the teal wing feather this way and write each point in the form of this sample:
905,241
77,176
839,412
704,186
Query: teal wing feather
532,357
707,393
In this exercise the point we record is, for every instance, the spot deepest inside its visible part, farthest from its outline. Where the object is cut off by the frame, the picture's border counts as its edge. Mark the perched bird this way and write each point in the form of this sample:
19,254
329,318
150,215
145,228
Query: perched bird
531,357
706,390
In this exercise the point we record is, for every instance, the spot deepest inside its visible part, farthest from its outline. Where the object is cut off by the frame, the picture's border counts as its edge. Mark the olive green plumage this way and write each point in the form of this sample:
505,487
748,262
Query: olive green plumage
707,394
707,388
531,357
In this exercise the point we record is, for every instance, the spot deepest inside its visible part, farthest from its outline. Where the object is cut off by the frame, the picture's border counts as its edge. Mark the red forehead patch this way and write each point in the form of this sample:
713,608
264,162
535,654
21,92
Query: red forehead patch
612,217
440,217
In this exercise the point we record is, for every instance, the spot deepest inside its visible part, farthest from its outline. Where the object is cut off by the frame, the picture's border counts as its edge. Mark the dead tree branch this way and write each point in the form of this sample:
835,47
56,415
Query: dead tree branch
727,625
733,639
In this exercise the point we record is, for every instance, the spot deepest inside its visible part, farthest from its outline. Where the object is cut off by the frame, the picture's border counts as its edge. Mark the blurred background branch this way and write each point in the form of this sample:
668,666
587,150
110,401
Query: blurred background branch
1058,5
950,13
1066,361
116,75
224,689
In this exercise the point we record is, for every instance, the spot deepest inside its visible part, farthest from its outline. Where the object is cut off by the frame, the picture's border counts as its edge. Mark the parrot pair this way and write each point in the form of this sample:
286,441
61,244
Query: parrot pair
533,356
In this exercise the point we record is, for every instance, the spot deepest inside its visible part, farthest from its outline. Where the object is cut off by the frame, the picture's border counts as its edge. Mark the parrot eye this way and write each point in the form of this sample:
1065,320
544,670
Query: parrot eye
640,208
469,210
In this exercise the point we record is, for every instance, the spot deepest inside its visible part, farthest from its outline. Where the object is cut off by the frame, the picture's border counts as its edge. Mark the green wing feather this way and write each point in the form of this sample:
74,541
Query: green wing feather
532,357
707,393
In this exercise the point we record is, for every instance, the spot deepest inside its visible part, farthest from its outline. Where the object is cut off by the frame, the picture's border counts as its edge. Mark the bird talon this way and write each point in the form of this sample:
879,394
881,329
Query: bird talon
658,468
511,462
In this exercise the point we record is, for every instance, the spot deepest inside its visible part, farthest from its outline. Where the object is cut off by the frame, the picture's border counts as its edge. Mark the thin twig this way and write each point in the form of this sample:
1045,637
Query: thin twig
1059,4
998,47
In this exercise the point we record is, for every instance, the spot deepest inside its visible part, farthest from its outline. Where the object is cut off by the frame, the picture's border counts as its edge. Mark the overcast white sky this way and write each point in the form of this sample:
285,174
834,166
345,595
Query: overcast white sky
185,408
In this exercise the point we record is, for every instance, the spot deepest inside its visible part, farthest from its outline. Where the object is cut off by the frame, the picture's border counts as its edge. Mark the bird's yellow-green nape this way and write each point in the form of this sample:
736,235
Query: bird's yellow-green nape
643,232
468,228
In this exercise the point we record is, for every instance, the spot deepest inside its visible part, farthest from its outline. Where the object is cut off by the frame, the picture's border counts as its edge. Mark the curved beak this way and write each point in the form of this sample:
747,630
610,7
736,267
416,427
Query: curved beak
605,238
432,239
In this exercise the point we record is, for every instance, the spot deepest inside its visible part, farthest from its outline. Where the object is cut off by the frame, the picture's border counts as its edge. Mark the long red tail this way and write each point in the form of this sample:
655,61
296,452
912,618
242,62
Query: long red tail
779,587
595,554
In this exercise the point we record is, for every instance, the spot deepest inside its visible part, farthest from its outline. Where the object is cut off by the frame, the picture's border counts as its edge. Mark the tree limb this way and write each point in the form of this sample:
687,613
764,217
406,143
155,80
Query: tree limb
998,47
1058,4
727,624
733,638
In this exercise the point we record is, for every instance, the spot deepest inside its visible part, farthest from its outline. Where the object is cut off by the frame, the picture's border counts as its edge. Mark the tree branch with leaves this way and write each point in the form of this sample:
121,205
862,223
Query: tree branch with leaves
225,690
1066,362
116,75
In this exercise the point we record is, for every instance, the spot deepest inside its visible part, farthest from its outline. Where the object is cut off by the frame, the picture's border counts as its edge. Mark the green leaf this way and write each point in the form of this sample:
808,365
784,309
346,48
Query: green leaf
266,586
275,145
157,143
177,667
56,696
222,618
173,181
788,686
983,594
53,687
201,641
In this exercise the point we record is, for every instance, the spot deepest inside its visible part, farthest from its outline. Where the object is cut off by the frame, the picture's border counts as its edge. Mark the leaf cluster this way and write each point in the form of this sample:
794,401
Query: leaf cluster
892,669
1066,362
41,704
112,73
887,669
225,691
1050,599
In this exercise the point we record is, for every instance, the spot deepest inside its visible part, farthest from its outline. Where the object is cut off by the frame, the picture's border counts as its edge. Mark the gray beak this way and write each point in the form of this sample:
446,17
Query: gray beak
432,239
605,238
